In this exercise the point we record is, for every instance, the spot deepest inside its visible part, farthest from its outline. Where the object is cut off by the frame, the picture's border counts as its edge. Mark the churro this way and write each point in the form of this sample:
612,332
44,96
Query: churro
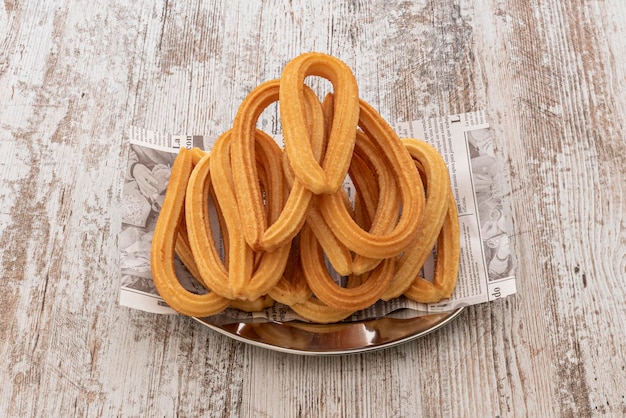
283,214
433,170
411,192
163,243
446,264
246,184
328,177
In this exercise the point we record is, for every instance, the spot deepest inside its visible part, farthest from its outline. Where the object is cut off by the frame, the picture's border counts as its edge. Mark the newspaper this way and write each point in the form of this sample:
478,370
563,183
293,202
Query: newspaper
479,182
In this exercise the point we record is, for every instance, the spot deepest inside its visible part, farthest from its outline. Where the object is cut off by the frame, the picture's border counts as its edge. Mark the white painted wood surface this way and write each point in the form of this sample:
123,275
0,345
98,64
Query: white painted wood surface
551,75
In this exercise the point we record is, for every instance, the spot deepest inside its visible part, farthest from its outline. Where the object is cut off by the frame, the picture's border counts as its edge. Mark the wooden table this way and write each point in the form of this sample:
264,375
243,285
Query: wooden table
551,76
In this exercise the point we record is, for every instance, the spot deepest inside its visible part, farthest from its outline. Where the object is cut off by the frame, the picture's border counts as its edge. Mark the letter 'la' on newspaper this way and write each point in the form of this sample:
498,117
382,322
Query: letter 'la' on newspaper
479,180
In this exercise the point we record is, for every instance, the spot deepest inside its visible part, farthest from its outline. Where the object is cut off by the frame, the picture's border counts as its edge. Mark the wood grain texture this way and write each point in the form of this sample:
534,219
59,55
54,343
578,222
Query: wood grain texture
74,75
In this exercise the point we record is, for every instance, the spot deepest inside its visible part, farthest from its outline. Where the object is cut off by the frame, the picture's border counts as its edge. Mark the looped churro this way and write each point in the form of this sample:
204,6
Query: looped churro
282,215
164,241
210,267
329,177
410,188
433,170
446,265
329,292
246,280
246,185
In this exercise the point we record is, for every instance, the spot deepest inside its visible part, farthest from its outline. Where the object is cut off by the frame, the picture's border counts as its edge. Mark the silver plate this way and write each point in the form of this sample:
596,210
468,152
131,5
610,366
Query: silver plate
333,339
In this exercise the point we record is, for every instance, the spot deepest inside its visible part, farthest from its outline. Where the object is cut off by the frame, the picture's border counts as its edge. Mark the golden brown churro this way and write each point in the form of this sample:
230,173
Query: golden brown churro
329,177
329,292
446,265
410,188
283,215
163,242
246,185
435,173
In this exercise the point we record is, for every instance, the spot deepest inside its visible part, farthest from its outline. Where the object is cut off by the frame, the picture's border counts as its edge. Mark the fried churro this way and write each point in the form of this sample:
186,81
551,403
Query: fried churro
283,216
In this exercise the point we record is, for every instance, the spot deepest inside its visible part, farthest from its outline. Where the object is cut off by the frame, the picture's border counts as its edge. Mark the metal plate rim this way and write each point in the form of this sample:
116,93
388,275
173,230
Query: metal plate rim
237,335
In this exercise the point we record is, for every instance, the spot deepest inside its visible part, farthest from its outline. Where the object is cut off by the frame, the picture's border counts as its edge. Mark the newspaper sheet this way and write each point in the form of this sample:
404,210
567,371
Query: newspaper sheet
480,185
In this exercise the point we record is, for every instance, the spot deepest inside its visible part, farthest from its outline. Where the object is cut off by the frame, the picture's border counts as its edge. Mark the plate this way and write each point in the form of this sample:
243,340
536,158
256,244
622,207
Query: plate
303,338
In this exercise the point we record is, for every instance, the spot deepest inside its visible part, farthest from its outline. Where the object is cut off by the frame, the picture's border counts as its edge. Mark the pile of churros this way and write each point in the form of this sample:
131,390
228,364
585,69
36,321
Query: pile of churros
285,216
